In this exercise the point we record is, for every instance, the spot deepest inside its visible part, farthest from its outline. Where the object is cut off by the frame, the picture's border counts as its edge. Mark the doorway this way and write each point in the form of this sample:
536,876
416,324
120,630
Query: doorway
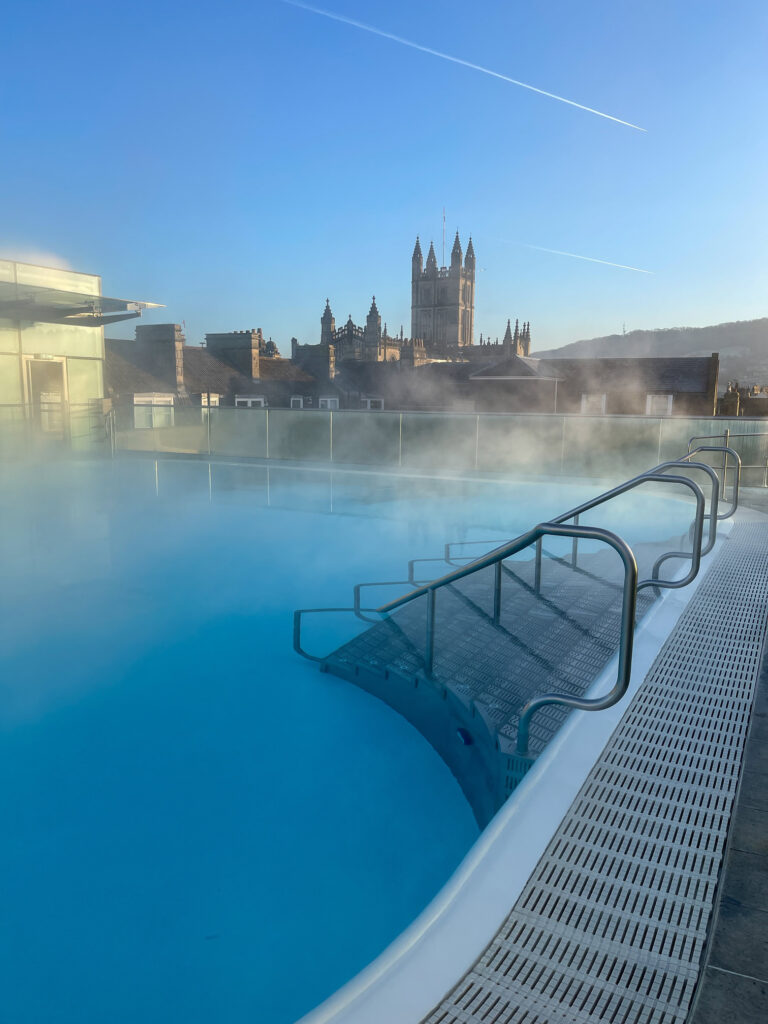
47,394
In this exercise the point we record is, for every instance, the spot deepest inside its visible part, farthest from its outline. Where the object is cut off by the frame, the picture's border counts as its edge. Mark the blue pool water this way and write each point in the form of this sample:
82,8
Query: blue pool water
198,825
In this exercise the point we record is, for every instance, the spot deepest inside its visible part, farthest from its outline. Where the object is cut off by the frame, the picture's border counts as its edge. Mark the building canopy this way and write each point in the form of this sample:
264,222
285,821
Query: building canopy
43,304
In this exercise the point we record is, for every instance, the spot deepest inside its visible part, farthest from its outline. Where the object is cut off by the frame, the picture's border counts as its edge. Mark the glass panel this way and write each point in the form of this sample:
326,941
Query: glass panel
305,436
62,339
85,379
13,430
370,440
50,277
9,336
183,429
240,432
531,444
162,415
134,438
430,436
142,417
10,380
616,447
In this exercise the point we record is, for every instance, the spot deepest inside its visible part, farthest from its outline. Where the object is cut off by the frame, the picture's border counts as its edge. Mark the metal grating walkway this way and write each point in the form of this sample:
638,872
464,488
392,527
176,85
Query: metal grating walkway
612,924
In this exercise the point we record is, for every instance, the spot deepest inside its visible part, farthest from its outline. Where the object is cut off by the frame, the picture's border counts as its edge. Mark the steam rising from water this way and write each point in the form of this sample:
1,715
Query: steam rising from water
456,60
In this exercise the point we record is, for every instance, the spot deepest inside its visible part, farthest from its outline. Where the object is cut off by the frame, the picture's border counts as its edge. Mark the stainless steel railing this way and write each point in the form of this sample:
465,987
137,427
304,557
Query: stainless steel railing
559,527
726,452
628,485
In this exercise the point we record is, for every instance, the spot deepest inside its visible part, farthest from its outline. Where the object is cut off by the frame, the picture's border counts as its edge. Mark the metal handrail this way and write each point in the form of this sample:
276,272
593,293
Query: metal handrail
713,501
356,592
495,558
448,556
558,527
727,434
737,476
297,616
626,642
629,485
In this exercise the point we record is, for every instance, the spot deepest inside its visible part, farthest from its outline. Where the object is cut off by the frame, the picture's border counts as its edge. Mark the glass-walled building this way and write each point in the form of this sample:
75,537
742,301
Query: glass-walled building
52,350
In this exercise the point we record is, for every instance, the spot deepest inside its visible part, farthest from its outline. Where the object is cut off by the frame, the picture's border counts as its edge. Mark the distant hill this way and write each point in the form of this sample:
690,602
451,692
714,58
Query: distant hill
743,347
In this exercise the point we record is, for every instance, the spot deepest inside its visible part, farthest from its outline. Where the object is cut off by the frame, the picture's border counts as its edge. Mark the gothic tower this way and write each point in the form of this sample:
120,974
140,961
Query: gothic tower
443,299
327,325
372,333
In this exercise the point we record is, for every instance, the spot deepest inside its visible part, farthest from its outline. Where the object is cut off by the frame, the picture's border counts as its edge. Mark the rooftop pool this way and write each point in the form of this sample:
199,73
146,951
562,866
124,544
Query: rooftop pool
198,825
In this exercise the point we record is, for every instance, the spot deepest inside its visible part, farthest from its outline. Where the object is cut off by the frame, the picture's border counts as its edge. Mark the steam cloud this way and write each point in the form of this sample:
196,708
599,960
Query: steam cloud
456,60
38,257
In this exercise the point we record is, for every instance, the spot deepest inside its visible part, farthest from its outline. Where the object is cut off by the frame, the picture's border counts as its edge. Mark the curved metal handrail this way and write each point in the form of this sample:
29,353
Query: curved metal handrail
626,642
725,434
297,617
626,634
713,501
737,479
628,485
498,555
559,528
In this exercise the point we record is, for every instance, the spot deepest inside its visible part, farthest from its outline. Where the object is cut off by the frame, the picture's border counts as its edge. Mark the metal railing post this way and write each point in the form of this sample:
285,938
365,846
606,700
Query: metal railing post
537,571
575,543
208,424
562,448
429,654
400,442
266,427
477,439
330,432
626,643
497,594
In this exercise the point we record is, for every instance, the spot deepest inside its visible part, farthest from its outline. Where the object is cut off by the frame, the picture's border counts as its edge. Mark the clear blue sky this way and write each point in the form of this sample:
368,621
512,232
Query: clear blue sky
241,161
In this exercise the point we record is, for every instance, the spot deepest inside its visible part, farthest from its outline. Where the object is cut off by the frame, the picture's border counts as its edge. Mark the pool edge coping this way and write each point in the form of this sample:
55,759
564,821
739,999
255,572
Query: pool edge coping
414,973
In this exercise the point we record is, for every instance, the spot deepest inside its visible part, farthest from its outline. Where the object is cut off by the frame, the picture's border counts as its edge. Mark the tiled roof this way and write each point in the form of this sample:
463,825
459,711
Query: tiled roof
682,374
204,372
513,367
275,369
121,377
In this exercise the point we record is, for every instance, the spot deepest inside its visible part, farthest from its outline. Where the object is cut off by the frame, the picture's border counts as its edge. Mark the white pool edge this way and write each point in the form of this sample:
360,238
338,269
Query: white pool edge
413,974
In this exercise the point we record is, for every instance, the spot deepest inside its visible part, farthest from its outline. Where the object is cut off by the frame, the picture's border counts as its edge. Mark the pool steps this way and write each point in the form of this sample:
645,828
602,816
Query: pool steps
501,682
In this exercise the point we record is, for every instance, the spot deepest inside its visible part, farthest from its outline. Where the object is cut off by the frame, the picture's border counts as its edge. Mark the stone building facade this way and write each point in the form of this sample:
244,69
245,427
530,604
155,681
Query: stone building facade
443,299
351,343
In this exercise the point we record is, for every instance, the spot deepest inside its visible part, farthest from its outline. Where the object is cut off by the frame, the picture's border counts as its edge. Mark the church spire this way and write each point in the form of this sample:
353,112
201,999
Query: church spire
431,260
417,261
327,324
507,342
469,259
456,254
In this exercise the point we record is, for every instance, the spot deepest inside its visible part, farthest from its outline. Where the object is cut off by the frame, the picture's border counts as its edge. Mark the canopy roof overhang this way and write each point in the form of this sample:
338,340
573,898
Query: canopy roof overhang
55,306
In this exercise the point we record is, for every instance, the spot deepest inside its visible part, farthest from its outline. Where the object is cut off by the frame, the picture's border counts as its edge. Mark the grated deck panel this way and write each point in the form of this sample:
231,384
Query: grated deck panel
560,640
612,924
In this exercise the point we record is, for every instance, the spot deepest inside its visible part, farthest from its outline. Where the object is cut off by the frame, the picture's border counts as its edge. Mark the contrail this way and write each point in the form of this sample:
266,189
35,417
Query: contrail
590,259
455,60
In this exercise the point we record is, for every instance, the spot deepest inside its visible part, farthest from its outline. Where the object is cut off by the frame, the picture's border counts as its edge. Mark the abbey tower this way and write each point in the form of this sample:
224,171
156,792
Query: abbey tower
443,299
